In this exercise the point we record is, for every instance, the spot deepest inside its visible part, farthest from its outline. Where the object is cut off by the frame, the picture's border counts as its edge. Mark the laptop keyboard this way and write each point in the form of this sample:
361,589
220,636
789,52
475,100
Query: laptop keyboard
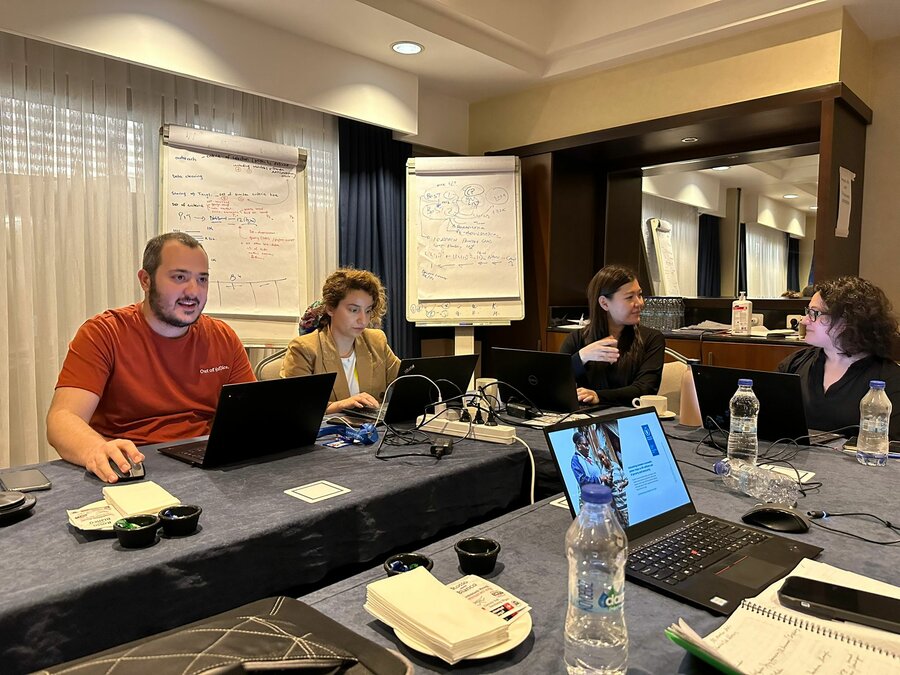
194,451
696,546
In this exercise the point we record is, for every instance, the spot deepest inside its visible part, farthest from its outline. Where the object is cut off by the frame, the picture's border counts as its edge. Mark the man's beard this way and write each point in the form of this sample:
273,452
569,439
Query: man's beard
165,316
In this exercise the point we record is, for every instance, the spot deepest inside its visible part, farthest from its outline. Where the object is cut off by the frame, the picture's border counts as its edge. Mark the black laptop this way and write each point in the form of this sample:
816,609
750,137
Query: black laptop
693,556
412,395
541,379
255,419
781,412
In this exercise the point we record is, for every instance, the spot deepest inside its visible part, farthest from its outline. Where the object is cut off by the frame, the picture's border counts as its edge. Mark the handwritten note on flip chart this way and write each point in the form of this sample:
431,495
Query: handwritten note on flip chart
467,231
244,213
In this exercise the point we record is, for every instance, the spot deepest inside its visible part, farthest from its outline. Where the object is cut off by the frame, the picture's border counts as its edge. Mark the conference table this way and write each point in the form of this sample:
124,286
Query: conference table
65,593
532,562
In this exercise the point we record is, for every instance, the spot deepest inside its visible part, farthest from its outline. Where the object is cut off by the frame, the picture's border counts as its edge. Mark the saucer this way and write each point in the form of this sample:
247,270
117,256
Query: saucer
668,415
518,631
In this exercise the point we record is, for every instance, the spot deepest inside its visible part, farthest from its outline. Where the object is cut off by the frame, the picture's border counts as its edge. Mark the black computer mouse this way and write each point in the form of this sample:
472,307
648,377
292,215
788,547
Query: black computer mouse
136,472
778,517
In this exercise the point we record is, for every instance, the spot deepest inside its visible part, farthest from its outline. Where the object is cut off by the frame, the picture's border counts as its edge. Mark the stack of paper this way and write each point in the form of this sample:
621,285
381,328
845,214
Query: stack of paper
136,498
422,607
763,636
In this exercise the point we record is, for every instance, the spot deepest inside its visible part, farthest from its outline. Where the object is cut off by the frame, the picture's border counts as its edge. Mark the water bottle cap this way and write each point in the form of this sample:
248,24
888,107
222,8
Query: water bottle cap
594,493
745,382
876,384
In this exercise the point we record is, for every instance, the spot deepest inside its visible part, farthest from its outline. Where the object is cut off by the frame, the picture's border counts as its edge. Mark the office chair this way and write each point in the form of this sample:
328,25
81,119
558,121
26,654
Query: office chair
270,367
677,385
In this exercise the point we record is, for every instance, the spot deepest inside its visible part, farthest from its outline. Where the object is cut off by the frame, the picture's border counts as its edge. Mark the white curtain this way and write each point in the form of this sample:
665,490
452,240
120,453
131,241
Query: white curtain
766,261
79,157
685,222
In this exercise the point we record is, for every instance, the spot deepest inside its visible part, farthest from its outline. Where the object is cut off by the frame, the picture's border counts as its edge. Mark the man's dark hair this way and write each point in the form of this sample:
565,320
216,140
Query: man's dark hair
154,247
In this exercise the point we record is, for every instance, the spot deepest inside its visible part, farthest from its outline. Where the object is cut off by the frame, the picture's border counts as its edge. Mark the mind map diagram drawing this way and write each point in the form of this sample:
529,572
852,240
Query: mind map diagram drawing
463,227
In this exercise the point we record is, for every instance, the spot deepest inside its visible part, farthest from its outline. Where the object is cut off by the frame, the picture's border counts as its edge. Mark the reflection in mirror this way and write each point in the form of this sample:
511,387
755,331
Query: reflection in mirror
716,231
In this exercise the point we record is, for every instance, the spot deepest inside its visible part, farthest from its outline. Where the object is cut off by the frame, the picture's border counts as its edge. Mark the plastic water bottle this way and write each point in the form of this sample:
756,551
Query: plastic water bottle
596,637
742,444
874,419
766,485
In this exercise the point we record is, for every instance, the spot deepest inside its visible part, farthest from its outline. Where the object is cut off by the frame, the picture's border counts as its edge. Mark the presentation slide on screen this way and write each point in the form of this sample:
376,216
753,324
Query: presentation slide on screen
631,456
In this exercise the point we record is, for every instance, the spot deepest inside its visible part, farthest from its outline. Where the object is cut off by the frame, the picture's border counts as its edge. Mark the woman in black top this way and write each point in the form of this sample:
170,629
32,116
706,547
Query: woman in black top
614,358
851,329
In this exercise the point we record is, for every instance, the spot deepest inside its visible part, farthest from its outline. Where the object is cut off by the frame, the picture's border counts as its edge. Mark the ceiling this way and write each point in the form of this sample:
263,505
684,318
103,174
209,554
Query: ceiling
475,49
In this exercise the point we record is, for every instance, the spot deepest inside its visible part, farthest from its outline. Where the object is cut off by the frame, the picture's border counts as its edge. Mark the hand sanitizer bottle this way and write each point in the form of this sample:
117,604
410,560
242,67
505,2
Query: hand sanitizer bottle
741,313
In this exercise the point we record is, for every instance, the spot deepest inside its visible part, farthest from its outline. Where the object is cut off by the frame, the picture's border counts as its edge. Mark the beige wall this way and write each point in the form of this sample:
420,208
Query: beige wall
879,258
785,58
207,43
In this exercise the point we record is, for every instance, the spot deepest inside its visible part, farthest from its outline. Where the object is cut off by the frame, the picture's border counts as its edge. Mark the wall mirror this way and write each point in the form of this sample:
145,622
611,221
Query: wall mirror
717,226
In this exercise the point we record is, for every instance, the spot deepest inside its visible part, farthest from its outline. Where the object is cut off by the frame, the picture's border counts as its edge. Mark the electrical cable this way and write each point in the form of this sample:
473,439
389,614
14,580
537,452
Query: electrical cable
533,469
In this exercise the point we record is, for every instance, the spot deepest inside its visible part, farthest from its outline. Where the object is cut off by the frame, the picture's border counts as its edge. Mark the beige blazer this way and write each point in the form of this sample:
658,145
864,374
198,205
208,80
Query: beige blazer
314,353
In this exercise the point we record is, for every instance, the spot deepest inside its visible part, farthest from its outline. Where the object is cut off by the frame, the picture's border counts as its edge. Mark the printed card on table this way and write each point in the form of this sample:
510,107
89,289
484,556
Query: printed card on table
317,492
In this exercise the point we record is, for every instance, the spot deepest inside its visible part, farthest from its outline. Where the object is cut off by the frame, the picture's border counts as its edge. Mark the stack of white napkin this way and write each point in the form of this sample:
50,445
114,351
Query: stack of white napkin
423,608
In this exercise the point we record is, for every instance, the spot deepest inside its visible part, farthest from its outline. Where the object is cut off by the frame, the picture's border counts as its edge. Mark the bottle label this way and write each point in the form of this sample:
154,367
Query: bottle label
742,425
587,600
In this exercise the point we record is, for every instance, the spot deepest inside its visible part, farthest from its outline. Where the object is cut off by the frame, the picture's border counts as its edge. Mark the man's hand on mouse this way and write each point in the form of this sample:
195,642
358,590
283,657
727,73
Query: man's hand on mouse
118,451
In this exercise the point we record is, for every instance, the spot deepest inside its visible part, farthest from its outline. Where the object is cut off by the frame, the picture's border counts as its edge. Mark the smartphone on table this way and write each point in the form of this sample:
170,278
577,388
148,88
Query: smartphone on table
831,601
25,480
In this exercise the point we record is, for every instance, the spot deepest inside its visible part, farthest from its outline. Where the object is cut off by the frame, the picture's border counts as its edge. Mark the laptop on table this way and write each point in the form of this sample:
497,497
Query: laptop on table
411,397
673,548
781,412
541,379
254,419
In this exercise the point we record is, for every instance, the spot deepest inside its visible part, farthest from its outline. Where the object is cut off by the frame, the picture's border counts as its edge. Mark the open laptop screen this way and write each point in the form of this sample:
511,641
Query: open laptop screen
628,452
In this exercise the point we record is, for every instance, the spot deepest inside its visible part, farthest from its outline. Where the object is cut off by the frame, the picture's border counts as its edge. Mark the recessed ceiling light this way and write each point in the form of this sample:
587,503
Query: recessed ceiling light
406,47
721,168
790,195
689,139
814,208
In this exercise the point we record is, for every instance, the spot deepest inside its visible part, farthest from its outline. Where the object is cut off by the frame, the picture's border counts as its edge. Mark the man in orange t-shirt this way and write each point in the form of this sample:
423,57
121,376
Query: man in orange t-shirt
148,372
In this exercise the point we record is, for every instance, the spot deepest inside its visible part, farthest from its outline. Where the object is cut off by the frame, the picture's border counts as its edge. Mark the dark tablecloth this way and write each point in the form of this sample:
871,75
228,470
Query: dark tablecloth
64,594
532,564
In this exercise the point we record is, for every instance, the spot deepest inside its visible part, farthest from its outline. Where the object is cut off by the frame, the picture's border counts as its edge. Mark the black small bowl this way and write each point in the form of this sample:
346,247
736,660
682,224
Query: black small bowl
137,531
178,521
477,555
404,562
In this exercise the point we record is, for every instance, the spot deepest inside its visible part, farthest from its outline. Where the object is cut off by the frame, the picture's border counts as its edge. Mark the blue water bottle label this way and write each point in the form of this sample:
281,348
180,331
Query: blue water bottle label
588,601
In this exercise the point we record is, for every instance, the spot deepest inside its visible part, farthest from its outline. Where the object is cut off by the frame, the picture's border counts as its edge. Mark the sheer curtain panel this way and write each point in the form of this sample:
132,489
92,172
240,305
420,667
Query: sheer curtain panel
79,157
767,261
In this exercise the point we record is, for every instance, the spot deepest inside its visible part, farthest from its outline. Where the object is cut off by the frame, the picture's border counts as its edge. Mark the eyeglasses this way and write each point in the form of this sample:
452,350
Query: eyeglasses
813,314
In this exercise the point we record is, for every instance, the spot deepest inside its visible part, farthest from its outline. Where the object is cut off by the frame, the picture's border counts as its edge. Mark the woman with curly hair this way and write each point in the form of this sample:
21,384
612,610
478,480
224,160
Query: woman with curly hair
341,336
614,358
851,329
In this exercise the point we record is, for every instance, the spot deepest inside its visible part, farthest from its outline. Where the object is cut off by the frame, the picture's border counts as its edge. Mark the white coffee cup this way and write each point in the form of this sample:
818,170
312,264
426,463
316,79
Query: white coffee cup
661,403
491,390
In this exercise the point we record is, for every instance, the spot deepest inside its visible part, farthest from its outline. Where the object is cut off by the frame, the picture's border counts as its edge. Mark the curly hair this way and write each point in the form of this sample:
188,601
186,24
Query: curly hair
606,282
867,324
341,282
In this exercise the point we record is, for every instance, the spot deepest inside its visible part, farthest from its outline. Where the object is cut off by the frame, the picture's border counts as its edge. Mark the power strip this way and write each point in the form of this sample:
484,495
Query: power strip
480,432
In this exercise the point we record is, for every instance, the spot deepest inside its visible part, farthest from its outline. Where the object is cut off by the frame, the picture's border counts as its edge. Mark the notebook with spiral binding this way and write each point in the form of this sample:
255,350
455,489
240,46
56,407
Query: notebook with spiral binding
762,636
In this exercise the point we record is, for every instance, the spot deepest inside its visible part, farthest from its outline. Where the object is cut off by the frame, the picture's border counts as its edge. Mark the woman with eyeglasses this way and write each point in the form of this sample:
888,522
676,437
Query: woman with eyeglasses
614,358
851,330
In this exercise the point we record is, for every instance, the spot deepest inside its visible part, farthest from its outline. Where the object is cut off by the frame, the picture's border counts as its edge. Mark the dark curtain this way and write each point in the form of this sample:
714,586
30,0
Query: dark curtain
793,263
708,265
372,218
742,260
